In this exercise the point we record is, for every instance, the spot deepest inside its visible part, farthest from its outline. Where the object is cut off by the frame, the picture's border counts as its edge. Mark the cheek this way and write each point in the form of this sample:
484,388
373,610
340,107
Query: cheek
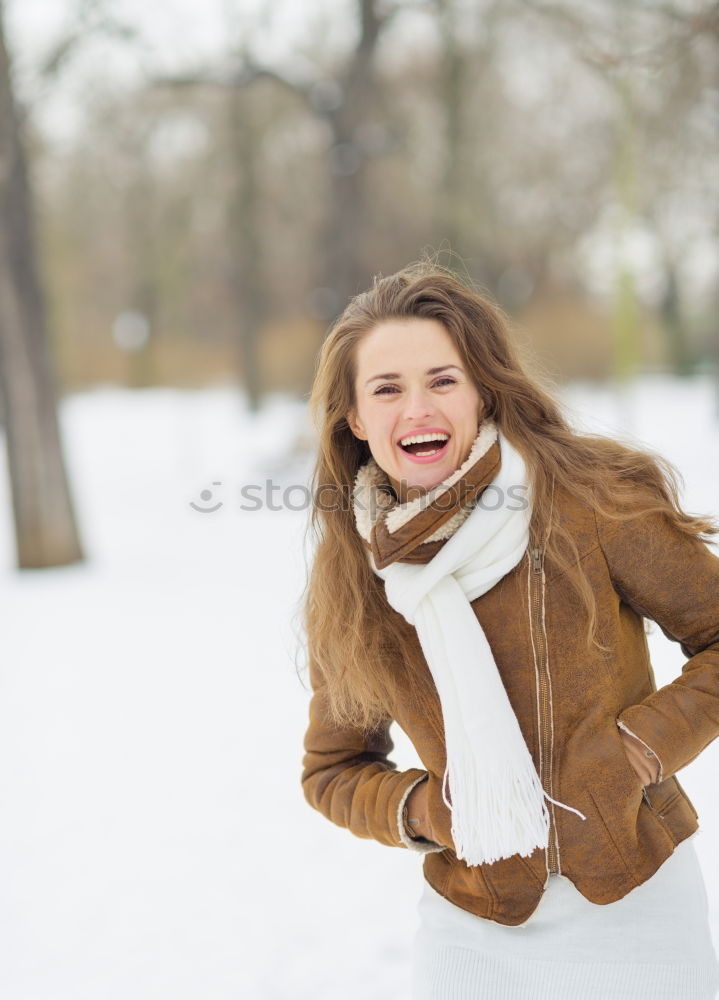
382,431
473,408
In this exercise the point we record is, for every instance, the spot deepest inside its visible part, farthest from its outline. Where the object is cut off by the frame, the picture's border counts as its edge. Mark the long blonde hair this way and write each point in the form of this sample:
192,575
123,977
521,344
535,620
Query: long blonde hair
357,646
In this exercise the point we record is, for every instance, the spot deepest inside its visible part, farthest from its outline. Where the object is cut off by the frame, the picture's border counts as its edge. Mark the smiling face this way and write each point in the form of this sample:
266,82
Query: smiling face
399,391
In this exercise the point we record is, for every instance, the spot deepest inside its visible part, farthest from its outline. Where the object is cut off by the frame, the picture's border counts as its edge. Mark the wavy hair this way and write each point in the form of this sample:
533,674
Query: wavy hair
357,646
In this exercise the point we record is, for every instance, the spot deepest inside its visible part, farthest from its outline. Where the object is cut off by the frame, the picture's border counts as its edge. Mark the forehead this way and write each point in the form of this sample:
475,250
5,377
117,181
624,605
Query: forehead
405,345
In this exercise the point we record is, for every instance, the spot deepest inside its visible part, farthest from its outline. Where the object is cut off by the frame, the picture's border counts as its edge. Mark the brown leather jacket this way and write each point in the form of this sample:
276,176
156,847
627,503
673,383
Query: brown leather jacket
569,703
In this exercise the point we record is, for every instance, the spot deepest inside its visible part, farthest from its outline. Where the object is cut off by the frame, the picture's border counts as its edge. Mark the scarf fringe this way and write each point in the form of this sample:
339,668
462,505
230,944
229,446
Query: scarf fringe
563,806
502,813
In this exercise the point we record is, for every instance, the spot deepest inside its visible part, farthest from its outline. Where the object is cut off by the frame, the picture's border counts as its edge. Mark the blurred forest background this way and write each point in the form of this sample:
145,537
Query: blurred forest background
206,219
182,206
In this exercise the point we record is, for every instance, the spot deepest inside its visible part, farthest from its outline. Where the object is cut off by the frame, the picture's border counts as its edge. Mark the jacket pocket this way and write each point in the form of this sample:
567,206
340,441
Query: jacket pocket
634,777
607,773
617,794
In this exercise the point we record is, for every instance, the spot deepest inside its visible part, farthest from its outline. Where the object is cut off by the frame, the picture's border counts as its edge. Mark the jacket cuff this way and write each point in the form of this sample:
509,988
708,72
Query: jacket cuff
422,846
633,715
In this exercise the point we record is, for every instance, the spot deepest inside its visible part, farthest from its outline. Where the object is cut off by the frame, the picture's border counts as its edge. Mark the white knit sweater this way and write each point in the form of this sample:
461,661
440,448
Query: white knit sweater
653,944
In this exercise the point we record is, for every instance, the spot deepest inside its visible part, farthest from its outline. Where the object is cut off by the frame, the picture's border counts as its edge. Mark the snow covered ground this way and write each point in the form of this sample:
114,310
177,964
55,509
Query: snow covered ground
154,840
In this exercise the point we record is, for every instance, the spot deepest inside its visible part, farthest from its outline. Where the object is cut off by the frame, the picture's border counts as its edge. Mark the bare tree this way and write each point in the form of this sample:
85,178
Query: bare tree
347,107
248,288
623,43
346,101
45,527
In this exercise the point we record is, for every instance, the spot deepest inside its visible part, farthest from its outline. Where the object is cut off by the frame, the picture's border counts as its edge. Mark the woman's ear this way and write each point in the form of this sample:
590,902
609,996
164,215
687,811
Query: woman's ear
356,426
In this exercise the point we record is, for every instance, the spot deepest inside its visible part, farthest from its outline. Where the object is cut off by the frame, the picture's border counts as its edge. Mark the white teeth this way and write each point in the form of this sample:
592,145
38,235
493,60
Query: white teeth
424,454
419,438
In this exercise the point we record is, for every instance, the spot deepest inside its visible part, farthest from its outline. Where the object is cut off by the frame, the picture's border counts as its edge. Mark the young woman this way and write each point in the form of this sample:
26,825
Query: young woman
481,576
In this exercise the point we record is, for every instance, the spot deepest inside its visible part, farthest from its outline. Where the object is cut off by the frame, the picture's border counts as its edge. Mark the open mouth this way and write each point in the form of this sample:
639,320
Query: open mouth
427,449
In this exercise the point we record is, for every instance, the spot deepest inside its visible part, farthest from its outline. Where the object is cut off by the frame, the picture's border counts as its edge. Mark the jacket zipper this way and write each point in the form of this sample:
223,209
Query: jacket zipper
545,738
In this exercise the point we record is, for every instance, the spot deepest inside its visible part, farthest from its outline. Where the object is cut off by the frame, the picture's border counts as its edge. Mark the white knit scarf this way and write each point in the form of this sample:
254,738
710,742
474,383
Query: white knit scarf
497,800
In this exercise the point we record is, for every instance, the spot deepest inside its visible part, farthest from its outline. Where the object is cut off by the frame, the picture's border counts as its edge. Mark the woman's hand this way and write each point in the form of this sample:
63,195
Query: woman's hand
647,768
417,809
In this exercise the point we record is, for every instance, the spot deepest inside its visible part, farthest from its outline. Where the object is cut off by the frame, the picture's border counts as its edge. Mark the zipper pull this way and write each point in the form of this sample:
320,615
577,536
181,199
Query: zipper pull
536,560
647,799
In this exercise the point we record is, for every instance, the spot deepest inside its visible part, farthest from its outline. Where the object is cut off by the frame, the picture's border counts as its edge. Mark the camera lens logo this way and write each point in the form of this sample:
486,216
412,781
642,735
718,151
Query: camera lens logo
206,497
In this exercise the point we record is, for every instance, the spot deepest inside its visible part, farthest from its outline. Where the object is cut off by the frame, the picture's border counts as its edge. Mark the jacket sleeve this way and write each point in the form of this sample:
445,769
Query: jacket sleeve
351,781
672,579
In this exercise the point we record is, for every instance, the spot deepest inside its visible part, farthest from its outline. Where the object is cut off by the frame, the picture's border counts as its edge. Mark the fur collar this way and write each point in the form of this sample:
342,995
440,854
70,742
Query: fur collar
393,529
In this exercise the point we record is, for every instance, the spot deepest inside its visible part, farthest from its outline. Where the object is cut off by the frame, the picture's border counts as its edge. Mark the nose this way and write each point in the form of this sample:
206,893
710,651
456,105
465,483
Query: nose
418,404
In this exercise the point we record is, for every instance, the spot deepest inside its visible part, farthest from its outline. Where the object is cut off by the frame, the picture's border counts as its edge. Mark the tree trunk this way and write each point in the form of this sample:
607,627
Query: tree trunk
625,317
45,529
348,205
680,353
451,204
245,231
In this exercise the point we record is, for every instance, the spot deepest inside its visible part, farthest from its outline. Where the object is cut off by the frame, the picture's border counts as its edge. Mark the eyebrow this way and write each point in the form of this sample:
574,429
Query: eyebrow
430,371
